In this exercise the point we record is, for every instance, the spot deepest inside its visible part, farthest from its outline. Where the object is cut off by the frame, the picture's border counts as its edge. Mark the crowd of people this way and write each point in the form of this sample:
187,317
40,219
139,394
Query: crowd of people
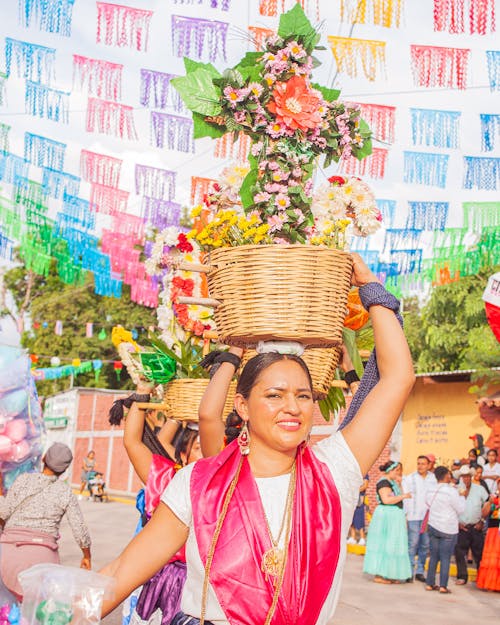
433,515
227,533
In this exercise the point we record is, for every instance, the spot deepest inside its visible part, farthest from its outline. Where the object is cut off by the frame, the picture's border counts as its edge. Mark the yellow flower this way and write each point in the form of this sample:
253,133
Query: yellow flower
196,211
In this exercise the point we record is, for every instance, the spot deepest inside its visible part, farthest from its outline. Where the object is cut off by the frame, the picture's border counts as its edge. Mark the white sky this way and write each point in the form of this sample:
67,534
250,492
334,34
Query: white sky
395,88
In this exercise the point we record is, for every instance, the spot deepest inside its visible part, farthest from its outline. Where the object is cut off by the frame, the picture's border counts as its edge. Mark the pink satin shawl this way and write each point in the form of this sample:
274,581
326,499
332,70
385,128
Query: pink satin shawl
236,576
161,472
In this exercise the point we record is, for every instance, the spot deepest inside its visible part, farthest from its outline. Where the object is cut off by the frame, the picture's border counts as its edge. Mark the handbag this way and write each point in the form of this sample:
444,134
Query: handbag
425,520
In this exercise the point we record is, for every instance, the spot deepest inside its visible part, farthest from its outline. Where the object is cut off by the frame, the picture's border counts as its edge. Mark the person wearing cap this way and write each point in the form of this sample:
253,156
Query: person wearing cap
32,512
470,524
432,462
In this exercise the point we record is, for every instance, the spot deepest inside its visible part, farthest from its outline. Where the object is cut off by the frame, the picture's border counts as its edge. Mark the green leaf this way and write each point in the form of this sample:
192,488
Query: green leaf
324,409
247,189
163,348
330,95
202,128
294,23
349,339
198,92
366,150
233,77
192,66
249,60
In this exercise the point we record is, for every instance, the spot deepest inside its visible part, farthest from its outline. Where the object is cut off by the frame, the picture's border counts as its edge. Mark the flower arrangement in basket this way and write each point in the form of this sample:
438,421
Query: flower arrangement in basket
291,121
270,248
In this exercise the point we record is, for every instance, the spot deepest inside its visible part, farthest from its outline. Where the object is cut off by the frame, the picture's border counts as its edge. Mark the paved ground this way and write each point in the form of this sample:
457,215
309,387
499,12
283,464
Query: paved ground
361,601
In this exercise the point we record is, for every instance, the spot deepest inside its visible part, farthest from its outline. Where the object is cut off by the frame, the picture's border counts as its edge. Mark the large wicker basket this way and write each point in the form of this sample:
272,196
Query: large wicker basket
280,292
182,398
322,364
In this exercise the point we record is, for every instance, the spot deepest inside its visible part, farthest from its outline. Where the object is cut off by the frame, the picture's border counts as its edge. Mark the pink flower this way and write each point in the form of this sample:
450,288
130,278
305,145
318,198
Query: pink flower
275,129
273,165
274,187
296,50
256,148
282,201
255,89
297,172
280,241
300,216
240,117
234,95
276,222
280,175
261,197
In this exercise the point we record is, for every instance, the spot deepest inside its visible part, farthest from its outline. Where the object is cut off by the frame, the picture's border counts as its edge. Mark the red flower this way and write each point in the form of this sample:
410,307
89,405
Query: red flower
183,244
295,104
338,180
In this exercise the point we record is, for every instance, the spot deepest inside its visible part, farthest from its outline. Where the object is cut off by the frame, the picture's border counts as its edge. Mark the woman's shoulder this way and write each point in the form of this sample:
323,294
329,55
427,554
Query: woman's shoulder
383,482
337,455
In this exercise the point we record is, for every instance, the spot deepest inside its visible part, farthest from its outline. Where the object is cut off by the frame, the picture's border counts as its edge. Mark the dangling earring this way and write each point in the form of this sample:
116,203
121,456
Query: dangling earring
244,440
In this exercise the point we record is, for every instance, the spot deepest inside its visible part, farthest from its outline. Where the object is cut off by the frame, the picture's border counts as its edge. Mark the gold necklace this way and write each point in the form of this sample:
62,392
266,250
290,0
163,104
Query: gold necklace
273,560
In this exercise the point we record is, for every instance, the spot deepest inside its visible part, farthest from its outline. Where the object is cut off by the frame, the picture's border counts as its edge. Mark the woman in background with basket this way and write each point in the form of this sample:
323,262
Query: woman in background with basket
255,552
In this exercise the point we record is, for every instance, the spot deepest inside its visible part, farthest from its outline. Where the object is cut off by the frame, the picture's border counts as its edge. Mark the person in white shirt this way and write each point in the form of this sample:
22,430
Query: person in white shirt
491,470
418,484
445,505
470,534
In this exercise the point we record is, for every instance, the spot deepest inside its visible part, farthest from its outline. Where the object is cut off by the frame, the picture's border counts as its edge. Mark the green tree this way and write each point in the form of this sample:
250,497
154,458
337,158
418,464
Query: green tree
47,299
452,333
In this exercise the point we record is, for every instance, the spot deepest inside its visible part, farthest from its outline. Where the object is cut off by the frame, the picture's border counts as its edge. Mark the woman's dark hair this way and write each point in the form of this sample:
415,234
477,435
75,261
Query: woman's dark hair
233,426
256,365
150,439
384,467
184,441
440,473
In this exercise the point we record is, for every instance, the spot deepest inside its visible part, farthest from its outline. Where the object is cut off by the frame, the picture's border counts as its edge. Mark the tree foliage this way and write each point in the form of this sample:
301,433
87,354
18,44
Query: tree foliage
450,332
47,299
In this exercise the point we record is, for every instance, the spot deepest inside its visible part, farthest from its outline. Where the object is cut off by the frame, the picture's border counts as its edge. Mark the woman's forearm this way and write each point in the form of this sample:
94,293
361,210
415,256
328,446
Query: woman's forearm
211,410
140,456
145,555
393,354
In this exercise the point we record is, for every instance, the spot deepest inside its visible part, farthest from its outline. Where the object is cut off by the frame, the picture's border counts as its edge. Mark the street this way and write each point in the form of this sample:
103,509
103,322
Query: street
361,601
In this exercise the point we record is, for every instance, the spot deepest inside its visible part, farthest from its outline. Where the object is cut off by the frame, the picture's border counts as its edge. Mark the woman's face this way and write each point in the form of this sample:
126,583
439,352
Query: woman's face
394,474
91,455
279,408
195,453
478,474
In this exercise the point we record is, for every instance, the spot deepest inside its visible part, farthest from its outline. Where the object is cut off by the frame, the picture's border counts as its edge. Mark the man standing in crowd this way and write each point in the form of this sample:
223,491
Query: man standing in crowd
470,524
418,483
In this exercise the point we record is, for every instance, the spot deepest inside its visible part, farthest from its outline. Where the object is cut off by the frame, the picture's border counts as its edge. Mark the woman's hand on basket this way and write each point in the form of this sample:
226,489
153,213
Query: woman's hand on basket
237,351
145,388
361,274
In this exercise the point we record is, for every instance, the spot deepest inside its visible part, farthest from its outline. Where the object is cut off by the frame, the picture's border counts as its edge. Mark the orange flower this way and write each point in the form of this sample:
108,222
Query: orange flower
295,105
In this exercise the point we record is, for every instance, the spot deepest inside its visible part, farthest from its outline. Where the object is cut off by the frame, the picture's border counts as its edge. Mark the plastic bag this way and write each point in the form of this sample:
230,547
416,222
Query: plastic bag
21,423
59,595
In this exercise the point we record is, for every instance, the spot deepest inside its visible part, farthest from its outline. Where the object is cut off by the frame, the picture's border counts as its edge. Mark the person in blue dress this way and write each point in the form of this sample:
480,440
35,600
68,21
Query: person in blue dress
386,556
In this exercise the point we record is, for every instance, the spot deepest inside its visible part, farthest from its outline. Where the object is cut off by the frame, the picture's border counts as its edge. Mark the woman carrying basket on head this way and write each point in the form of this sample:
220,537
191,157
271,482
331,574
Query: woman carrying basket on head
156,458
265,520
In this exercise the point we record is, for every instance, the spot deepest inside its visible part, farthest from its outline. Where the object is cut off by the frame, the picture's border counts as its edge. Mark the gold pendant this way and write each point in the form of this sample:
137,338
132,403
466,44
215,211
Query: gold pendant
272,563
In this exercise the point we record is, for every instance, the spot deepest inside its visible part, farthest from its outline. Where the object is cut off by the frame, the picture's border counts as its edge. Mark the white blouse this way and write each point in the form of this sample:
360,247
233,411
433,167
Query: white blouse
335,453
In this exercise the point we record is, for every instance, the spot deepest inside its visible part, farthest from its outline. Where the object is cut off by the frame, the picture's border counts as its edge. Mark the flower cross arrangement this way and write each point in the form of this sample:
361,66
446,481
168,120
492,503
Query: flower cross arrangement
291,121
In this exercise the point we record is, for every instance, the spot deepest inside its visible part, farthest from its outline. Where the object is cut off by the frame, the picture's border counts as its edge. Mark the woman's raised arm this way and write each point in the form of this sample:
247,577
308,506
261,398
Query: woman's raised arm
211,410
146,554
371,428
